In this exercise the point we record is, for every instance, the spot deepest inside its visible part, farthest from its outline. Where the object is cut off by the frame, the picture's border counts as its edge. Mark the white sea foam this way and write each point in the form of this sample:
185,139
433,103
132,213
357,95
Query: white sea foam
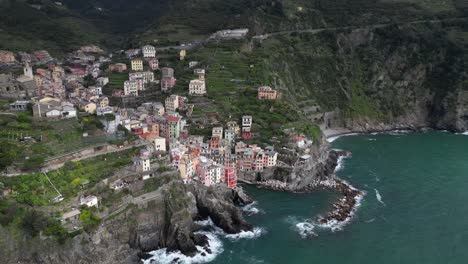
463,133
205,254
306,230
333,138
370,220
162,256
340,164
250,209
255,233
207,222
379,197
335,225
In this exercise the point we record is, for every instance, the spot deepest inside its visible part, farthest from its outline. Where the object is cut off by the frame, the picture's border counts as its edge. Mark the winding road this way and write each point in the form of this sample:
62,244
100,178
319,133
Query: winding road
331,29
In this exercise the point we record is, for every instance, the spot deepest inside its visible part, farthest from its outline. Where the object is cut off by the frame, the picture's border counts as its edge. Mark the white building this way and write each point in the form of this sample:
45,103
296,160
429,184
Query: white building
159,144
149,51
89,201
53,113
197,87
172,103
193,64
230,135
272,157
214,173
247,121
142,164
147,76
68,111
131,88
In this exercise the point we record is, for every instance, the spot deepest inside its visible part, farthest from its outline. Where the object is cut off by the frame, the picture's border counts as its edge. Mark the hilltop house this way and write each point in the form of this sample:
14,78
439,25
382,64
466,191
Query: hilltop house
266,93
182,54
89,201
149,51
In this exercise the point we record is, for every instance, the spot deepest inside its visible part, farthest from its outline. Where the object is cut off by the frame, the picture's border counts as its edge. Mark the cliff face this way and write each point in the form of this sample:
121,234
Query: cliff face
164,222
407,75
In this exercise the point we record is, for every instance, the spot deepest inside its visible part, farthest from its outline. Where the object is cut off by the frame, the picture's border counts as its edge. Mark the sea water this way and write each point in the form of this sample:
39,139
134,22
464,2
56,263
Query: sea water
415,209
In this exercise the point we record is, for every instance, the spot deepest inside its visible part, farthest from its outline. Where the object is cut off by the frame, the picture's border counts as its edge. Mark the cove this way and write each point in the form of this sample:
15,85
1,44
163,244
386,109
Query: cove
414,210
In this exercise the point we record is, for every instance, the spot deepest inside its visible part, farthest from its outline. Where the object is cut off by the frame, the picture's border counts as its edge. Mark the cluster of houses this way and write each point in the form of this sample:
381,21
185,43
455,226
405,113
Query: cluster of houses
60,90
55,89
218,159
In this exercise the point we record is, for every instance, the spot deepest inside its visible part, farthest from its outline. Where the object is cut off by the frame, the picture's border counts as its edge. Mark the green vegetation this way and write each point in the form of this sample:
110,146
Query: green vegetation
27,142
89,220
35,189
116,82
30,221
53,27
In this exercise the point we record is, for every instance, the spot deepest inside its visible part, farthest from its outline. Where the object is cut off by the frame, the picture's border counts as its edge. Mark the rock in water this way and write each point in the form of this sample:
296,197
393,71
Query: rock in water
217,202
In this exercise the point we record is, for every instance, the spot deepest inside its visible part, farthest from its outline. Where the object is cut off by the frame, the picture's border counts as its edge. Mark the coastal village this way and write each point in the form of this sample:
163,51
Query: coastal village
145,106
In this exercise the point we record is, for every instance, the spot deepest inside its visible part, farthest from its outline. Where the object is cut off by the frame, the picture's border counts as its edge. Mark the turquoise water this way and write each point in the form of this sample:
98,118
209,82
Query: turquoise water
422,180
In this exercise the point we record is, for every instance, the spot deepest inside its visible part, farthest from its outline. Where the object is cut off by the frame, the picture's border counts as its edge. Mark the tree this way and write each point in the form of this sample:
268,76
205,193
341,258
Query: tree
34,162
8,154
34,222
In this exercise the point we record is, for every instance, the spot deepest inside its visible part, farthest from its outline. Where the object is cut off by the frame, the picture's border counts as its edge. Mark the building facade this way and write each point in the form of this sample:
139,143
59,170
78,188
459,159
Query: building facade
137,65
197,87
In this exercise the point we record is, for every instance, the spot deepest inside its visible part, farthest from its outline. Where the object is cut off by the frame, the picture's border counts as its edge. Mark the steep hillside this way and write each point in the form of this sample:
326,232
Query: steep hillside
411,74
41,24
190,19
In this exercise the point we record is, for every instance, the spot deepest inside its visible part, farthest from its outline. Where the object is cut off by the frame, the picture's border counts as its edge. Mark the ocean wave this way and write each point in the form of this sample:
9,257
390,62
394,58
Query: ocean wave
306,230
255,233
250,209
204,255
204,223
304,227
463,133
212,228
333,138
379,197
340,163
335,225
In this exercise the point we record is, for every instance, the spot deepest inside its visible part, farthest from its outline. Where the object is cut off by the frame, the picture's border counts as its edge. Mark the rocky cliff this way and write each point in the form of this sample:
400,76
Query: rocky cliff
165,222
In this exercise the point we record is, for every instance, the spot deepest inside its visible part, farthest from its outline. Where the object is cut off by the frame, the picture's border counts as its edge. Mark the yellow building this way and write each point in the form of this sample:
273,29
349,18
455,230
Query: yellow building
88,107
137,65
182,54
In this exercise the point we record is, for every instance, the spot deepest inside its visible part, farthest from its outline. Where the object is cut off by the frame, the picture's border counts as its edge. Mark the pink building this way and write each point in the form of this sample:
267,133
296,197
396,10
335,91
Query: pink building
153,64
230,177
167,83
118,67
266,93
6,56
